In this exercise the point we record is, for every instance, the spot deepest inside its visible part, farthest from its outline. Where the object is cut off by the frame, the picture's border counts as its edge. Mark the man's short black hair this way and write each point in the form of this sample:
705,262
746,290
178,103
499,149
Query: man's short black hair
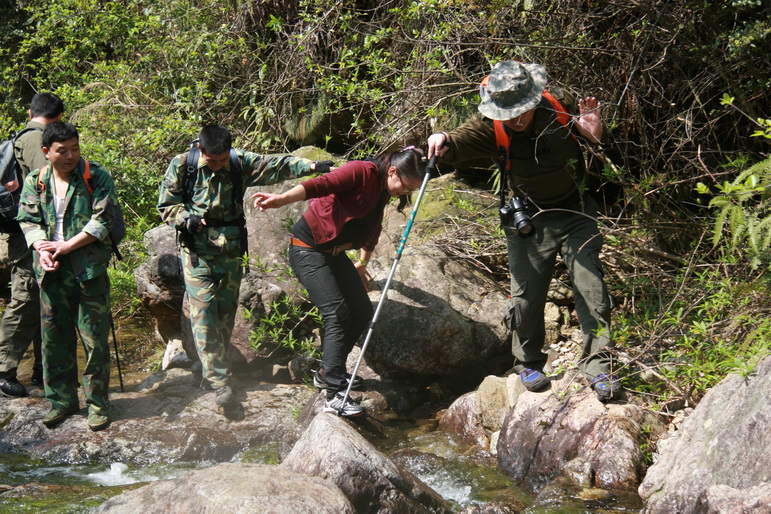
215,139
59,132
47,105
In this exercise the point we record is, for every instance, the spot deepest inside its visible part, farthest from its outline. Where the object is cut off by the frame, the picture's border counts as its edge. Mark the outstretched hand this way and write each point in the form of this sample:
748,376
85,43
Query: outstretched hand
589,121
263,201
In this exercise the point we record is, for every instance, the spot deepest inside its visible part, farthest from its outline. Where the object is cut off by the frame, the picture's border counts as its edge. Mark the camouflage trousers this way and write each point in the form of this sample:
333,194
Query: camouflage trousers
576,237
212,283
69,307
21,321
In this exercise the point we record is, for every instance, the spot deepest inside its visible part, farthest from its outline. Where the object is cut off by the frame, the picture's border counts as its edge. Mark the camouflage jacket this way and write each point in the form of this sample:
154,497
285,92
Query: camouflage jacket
213,196
83,212
546,161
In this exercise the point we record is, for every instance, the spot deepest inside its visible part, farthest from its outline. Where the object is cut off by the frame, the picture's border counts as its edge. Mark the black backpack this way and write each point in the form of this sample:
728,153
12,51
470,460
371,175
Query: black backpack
10,170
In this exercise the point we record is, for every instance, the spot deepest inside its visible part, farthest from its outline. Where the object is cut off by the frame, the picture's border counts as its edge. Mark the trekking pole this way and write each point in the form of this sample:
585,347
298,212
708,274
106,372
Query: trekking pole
117,357
430,167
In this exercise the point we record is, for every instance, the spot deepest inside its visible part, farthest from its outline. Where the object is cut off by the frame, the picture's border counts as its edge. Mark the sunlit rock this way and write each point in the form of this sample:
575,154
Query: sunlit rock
333,450
725,442
233,487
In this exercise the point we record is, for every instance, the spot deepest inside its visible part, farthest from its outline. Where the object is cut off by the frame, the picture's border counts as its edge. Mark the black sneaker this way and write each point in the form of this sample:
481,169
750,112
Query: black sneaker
320,383
224,396
12,388
351,409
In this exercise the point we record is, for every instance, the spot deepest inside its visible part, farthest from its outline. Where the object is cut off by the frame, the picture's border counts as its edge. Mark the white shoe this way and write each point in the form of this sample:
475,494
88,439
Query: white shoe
351,409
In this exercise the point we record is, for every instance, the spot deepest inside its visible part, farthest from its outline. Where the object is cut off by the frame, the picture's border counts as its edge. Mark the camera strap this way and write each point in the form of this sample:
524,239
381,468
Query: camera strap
504,177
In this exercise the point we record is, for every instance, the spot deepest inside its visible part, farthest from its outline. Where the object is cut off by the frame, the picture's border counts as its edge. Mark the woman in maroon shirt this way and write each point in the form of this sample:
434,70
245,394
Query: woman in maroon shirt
345,213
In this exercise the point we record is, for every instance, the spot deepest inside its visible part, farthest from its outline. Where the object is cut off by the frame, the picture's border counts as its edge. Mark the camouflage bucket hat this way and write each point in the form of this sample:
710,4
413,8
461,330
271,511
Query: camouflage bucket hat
512,88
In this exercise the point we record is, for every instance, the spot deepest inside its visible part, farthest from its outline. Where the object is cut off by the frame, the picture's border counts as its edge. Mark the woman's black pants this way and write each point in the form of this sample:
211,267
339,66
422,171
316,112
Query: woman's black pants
335,288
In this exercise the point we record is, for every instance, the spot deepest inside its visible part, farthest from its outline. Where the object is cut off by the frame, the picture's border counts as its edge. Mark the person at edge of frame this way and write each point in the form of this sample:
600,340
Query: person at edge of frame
21,320
66,217
208,222
345,213
546,167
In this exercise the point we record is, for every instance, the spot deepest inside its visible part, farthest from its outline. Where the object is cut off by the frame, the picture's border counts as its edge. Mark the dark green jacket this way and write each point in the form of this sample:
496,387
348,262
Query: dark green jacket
84,212
546,161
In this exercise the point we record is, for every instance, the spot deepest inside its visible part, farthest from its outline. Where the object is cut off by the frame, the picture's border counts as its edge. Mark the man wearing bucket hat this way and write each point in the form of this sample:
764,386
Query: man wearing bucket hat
537,142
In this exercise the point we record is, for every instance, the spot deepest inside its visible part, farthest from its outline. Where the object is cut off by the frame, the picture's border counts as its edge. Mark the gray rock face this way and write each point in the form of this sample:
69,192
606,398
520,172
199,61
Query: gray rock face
725,442
169,420
440,318
721,499
238,488
331,449
159,282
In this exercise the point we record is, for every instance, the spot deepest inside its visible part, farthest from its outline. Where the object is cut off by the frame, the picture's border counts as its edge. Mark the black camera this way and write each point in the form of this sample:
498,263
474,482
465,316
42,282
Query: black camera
514,214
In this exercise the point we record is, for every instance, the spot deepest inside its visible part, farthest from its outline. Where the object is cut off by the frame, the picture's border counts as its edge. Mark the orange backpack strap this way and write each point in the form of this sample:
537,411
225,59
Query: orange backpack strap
502,141
87,177
563,116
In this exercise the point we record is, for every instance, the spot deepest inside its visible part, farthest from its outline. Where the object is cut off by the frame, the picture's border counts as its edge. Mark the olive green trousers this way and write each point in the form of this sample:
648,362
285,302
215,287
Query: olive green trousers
574,235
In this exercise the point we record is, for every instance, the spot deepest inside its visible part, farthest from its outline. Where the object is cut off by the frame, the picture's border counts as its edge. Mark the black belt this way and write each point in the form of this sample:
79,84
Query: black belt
334,251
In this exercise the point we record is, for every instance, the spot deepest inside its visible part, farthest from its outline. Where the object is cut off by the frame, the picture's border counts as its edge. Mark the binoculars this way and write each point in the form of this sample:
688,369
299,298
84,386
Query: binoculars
514,214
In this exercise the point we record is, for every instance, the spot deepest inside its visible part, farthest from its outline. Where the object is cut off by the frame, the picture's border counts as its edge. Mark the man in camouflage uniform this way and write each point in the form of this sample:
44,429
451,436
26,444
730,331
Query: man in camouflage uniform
71,262
21,321
208,217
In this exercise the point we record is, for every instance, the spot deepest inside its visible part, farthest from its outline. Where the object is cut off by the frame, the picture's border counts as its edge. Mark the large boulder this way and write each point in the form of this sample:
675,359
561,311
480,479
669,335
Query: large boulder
724,442
159,281
544,431
233,487
331,449
562,432
440,318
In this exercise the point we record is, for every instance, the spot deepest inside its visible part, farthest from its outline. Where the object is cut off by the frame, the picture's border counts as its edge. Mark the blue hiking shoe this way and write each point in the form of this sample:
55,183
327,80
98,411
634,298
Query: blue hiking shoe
534,380
607,387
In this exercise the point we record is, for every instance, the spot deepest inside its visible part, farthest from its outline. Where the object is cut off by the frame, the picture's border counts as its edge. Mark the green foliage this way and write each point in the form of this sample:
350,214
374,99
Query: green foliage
279,326
742,207
712,326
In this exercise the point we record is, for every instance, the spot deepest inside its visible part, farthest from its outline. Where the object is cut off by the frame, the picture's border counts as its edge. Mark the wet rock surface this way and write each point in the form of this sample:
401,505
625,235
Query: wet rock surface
168,419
